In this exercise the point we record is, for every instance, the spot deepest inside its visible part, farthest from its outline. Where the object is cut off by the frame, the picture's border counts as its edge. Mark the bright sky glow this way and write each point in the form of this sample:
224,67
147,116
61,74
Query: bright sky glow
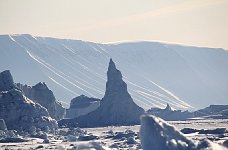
190,22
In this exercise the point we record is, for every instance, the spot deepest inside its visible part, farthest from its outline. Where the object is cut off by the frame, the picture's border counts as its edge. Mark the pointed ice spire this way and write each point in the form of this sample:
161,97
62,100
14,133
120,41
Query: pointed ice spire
114,79
116,107
111,64
168,107
113,73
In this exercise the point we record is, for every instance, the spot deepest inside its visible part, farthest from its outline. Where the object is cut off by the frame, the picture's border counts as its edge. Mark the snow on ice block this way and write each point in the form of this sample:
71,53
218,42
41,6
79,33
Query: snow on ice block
156,134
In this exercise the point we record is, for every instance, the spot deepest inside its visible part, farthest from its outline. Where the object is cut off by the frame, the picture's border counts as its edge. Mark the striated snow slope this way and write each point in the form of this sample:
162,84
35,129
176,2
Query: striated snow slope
156,73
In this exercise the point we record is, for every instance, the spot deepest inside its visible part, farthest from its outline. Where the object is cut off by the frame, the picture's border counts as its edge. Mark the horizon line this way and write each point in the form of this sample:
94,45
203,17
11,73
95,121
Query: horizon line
115,42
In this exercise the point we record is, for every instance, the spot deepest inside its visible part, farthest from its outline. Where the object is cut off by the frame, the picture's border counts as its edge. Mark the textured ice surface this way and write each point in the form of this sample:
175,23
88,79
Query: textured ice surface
18,111
41,94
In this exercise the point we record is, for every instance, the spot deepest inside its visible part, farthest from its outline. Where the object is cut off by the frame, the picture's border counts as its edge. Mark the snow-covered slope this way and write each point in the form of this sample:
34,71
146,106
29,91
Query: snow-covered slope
156,73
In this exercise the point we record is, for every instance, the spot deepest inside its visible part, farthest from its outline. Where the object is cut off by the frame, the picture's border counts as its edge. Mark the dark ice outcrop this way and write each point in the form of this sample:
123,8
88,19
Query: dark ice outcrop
82,101
18,111
168,108
116,108
82,105
6,81
170,114
41,94
2,125
156,134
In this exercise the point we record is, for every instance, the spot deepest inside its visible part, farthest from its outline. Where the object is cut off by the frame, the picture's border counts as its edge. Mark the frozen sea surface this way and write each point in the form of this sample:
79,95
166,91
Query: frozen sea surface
115,137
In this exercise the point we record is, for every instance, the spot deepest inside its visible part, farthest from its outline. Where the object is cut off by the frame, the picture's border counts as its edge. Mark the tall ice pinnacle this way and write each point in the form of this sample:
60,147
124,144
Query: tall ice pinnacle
114,80
116,108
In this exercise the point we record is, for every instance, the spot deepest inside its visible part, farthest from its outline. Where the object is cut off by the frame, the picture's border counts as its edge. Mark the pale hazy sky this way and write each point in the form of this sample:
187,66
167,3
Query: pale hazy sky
190,22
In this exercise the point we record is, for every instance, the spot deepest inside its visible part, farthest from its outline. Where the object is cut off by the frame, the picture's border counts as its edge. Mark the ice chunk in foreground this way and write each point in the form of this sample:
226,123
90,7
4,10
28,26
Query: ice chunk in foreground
156,134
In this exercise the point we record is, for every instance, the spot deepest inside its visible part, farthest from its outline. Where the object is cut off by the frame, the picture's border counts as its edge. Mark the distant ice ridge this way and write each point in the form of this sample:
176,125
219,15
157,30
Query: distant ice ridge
156,134
156,73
